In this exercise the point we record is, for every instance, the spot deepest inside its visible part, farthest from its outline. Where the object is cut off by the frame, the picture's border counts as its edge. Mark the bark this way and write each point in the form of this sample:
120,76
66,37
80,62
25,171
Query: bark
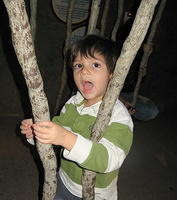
105,15
23,45
33,14
118,20
129,50
95,8
148,48
67,44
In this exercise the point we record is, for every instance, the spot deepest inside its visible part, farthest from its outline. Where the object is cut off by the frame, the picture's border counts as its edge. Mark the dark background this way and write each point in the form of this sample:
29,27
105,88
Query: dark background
159,84
149,172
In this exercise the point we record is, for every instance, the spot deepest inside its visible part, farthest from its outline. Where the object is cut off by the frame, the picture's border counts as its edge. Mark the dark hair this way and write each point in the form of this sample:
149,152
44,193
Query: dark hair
94,44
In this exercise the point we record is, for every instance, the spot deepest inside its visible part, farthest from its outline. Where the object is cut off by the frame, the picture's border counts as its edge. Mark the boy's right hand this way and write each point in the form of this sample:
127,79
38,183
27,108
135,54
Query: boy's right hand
26,128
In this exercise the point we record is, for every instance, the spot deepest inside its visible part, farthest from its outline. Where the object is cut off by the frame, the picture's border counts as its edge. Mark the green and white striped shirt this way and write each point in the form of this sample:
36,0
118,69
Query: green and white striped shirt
104,157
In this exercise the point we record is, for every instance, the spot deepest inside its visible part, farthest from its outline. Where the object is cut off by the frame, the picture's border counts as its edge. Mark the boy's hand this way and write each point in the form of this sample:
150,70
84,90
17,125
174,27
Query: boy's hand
48,132
26,128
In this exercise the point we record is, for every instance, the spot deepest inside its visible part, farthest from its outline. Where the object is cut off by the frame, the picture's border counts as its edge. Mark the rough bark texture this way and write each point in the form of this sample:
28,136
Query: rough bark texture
95,8
129,50
119,17
23,45
148,48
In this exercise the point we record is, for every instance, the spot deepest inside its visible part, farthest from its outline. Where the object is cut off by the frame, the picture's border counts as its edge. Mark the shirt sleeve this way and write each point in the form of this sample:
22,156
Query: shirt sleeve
80,150
105,156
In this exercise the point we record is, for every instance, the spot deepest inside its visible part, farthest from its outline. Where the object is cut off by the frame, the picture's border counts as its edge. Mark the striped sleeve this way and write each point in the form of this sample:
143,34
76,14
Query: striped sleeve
109,154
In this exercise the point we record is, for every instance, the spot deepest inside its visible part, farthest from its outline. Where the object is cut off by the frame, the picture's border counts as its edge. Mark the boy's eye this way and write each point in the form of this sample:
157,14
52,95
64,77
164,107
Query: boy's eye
96,65
77,66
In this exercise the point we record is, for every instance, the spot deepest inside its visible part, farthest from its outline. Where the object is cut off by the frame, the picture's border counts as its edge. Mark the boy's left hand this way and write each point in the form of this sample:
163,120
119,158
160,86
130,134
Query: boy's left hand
48,132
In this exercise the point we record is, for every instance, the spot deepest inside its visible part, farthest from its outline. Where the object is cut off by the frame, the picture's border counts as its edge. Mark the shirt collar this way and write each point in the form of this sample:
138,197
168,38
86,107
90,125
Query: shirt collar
79,103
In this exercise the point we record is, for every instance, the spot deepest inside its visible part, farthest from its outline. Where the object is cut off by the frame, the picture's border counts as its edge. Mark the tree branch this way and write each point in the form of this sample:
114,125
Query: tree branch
148,48
24,49
95,8
130,48
119,17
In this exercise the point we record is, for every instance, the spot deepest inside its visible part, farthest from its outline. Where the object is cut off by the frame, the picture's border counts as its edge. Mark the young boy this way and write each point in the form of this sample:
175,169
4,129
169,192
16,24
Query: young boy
92,60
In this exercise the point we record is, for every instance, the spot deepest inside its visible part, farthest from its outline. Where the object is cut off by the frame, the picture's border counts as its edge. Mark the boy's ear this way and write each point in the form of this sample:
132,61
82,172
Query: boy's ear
110,75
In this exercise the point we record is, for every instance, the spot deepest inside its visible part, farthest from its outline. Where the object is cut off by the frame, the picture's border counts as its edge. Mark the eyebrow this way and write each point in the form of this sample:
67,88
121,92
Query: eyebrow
102,60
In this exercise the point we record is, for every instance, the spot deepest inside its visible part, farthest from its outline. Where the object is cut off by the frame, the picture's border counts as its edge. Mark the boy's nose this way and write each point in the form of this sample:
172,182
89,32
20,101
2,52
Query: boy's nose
85,70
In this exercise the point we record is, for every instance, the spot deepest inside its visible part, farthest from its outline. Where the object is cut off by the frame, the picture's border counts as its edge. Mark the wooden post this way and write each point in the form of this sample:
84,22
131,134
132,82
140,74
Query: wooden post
95,8
119,17
147,48
104,17
23,45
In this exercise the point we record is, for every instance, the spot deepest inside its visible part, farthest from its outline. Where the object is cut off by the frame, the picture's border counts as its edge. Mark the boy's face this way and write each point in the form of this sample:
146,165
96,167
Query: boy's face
91,77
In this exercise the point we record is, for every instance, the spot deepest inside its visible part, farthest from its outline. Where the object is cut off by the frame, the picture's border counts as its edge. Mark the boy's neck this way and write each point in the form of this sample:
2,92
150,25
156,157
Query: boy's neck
88,103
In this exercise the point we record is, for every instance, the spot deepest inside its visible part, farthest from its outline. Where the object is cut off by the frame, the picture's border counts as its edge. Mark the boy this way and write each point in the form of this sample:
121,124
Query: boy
92,60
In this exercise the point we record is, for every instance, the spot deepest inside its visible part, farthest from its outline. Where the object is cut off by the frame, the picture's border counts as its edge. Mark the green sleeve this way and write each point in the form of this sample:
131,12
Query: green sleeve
120,136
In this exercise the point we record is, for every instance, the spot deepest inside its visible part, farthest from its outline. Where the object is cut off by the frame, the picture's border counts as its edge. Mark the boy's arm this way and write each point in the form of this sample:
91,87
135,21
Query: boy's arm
105,156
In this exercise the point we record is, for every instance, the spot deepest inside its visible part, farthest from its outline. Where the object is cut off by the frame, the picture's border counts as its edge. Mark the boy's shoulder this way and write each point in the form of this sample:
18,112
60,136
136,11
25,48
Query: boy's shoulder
119,107
121,115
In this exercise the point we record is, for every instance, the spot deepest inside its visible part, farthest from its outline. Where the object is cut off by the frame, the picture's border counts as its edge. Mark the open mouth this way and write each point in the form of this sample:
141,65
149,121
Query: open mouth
87,86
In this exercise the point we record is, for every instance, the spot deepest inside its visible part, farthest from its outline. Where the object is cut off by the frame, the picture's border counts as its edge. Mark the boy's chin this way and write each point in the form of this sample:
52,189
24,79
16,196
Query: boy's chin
87,95
90,99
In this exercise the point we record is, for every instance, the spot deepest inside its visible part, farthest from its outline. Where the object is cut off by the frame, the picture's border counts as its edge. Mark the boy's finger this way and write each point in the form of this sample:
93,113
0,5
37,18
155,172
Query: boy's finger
26,132
41,136
27,122
22,127
29,136
41,129
44,123
23,132
42,140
